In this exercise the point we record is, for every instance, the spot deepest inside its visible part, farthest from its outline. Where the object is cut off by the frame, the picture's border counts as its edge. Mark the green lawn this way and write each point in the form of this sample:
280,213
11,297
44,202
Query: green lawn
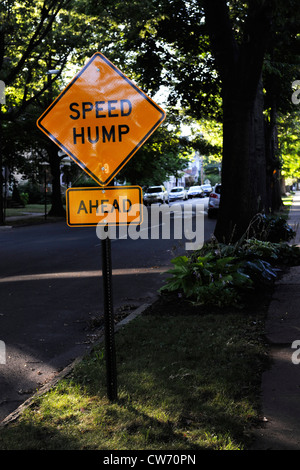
287,200
187,380
29,208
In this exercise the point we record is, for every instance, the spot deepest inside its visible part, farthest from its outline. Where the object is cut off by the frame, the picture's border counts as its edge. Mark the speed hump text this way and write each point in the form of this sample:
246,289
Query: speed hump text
101,119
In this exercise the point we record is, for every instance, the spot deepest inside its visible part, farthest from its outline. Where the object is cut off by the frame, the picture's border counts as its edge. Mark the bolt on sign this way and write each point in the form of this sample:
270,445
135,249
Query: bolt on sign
112,205
101,119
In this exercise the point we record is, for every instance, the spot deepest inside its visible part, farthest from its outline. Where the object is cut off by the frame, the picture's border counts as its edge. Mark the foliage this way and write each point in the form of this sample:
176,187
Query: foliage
271,228
32,193
210,53
166,153
208,279
24,198
158,43
289,143
48,35
167,45
252,249
36,37
219,274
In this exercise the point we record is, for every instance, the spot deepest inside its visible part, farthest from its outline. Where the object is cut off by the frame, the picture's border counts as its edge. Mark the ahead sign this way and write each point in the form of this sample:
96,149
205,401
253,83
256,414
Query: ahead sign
114,205
101,119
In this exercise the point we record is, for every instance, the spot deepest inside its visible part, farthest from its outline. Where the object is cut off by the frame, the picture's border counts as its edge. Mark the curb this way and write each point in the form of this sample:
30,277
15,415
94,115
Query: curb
68,369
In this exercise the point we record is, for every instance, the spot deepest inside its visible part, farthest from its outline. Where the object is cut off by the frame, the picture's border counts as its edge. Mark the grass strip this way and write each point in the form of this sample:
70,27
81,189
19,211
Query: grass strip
188,379
29,208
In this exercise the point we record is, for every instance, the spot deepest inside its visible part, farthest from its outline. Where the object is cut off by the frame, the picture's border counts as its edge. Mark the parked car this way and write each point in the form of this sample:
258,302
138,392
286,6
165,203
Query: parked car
207,189
214,201
177,193
195,191
155,194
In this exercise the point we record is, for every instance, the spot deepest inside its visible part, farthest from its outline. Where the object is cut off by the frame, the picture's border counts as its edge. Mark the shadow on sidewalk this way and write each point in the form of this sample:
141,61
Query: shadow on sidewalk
281,383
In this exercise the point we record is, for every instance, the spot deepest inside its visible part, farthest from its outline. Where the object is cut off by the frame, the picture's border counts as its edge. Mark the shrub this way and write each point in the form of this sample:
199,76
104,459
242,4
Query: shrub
208,279
218,274
24,198
35,194
270,228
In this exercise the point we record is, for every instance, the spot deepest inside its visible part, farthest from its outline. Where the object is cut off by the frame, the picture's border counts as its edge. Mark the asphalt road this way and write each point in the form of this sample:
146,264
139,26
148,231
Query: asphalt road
52,297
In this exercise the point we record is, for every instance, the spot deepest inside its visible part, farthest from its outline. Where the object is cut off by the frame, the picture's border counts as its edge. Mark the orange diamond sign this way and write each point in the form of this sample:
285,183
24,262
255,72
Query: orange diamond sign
101,119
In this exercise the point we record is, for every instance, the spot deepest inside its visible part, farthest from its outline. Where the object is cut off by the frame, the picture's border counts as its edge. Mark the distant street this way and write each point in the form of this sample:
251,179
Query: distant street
51,294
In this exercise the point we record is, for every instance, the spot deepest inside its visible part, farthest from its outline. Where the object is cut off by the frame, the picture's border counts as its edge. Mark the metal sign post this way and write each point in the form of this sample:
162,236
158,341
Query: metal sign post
111,369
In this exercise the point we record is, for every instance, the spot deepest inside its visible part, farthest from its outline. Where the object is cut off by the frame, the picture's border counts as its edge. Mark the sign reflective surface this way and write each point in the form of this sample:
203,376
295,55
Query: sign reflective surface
101,119
112,206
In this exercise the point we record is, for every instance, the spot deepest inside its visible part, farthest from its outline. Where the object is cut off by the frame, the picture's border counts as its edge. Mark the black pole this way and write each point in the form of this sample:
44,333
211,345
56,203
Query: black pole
45,192
111,369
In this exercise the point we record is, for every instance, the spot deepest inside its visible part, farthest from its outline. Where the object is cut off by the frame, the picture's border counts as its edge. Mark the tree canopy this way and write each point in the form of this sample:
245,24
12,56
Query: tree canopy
233,61
226,62
36,38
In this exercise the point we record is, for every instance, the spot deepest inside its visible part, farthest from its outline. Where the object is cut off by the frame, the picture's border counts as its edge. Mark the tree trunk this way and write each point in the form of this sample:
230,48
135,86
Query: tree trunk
243,165
239,64
57,208
2,221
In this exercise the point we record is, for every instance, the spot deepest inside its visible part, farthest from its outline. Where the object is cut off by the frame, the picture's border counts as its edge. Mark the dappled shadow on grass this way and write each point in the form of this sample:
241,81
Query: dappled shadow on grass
190,376
187,379
36,436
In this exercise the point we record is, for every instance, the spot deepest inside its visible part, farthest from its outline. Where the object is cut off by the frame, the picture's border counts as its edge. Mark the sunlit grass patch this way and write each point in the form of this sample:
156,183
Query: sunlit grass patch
184,382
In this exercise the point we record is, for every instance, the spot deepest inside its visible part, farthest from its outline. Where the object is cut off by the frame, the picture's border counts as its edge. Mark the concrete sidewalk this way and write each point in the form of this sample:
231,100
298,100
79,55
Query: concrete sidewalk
281,383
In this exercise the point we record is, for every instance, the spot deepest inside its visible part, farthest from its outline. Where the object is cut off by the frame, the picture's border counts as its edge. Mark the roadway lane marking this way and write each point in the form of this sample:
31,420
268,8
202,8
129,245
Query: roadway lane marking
78,274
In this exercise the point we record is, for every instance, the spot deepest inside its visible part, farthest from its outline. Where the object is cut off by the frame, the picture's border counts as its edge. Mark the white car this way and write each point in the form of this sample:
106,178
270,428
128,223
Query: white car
177,193
207,189
155,194
195,191
214,201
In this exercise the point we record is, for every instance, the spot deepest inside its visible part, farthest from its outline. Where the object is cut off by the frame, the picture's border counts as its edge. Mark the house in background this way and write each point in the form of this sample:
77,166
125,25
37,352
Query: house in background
190,176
